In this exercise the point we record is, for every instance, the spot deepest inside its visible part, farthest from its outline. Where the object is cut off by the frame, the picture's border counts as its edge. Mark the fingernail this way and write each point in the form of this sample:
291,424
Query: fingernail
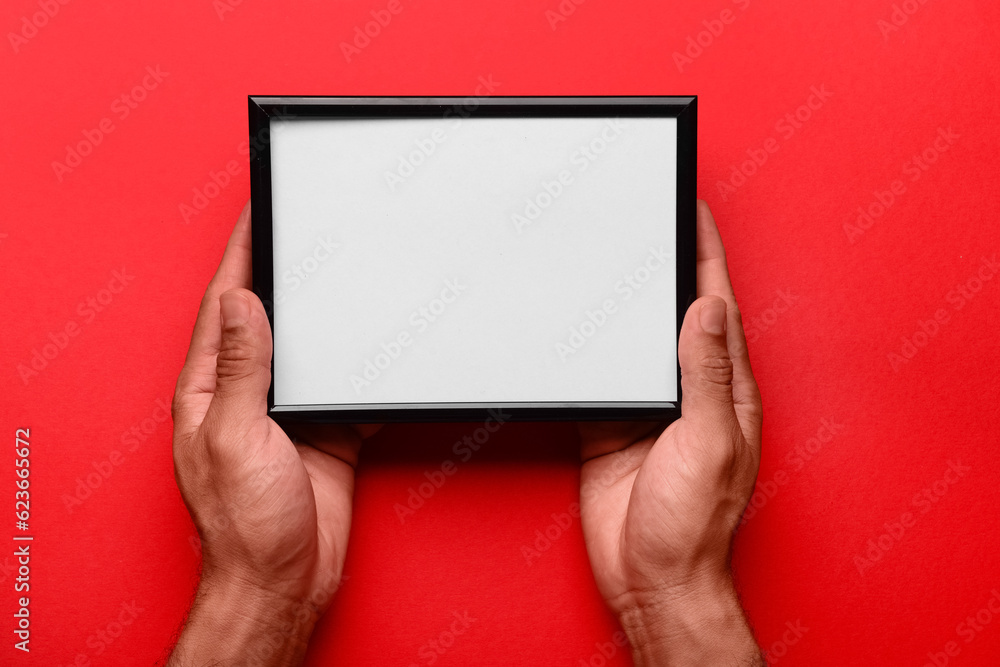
235,310
713,317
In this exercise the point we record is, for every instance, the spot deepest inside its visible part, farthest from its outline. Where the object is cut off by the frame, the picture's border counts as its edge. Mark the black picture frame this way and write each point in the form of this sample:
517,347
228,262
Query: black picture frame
264,108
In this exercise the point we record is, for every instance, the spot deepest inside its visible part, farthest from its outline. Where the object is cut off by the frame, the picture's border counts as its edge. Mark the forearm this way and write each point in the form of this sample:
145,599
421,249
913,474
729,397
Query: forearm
230,624
702,627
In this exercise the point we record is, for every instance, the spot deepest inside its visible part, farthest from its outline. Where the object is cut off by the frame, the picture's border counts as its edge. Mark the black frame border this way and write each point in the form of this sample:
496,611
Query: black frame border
262,108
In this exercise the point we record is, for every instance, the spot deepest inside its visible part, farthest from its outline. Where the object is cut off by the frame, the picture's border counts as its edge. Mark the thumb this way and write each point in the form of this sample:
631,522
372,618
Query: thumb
243,365
706,368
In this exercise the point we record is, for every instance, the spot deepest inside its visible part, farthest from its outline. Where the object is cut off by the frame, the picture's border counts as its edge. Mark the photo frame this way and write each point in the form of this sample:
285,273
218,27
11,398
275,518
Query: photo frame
462,259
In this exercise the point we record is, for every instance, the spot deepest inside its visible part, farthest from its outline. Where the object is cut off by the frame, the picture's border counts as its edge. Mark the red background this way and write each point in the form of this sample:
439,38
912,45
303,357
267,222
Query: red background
826,357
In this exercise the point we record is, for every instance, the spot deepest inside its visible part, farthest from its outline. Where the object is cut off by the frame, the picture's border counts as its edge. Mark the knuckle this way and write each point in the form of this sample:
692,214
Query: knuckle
716,370
233,364
240,361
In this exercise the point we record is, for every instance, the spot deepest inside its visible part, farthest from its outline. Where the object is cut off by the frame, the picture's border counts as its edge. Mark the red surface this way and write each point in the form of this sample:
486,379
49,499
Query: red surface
826,357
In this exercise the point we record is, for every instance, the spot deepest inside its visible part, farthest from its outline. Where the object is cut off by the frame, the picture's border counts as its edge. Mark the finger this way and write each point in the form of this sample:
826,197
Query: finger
243,365
342,441
600,438
713,273
713,279
707,369
234,271
333,491
196,382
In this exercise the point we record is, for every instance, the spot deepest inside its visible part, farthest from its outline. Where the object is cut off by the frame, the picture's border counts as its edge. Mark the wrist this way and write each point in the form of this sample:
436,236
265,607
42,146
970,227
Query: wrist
691,624
235,622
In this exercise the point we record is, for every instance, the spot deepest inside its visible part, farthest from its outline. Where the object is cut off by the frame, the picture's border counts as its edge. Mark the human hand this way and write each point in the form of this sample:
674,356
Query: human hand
659,507
273,513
